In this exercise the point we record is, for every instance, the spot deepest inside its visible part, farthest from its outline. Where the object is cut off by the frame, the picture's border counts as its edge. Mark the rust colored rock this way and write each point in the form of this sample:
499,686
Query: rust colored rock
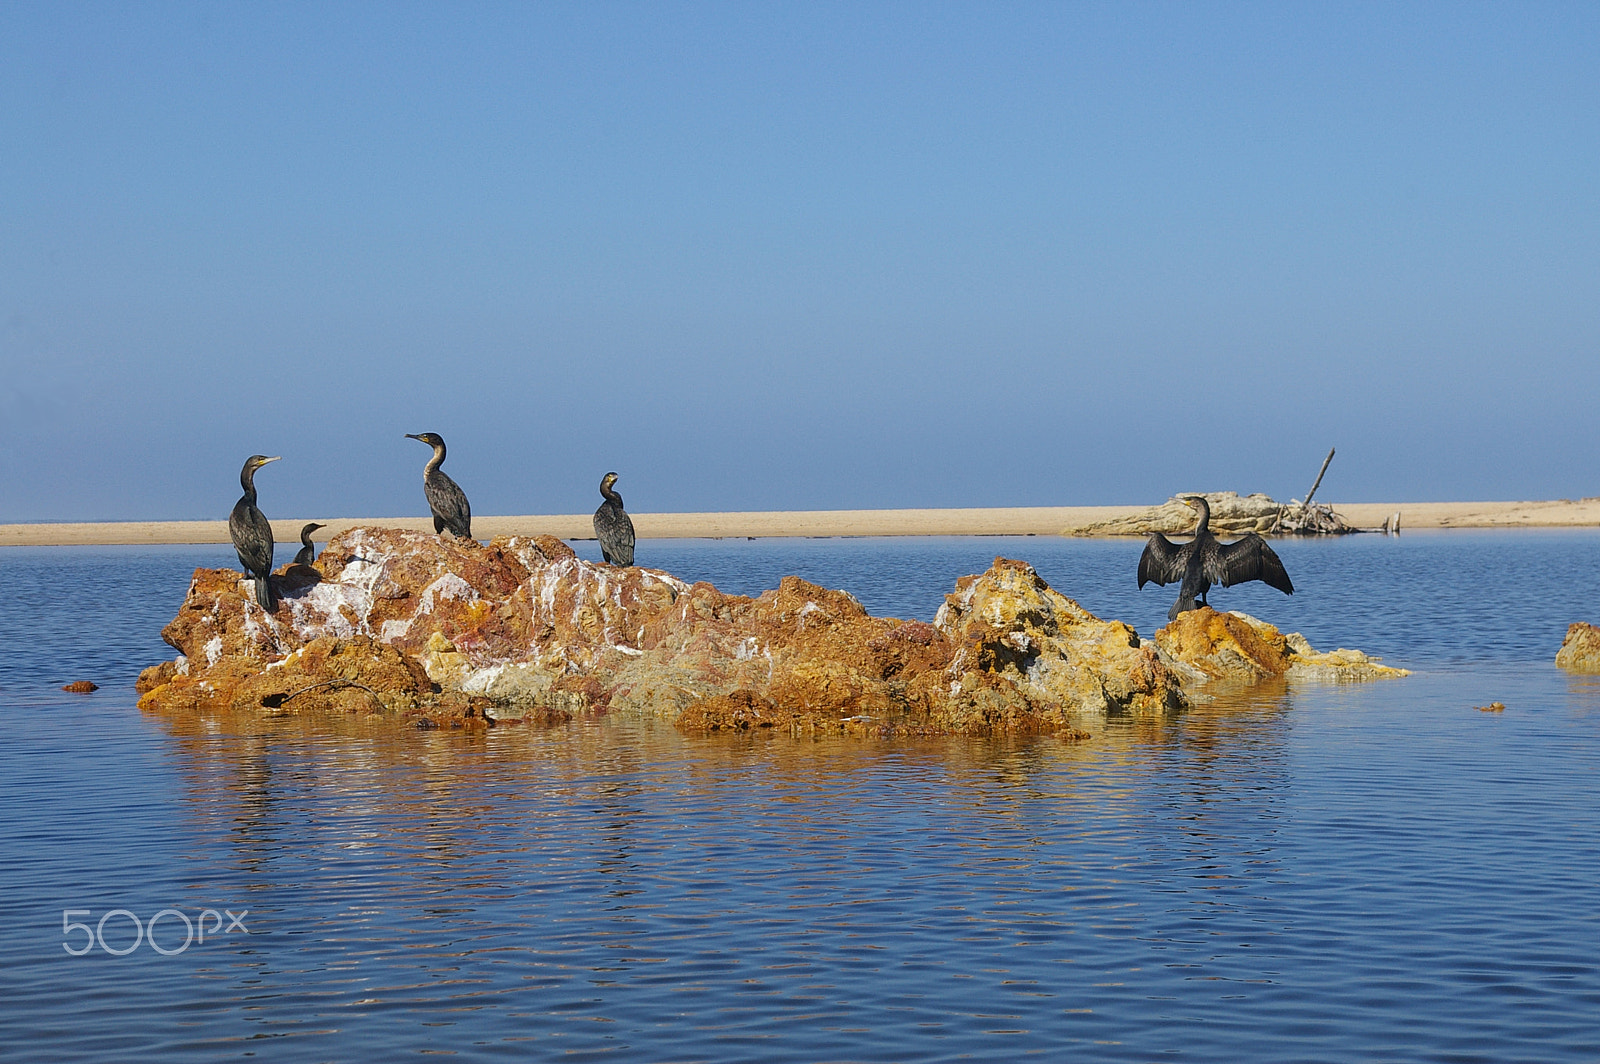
1204,645
156,675
410,624
1580,650
738,711
1223,646
81,687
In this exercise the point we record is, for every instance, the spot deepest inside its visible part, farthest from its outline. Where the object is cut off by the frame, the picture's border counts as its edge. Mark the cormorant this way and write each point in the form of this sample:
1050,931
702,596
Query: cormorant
252,532
1203,561
308,549
445,497
612,525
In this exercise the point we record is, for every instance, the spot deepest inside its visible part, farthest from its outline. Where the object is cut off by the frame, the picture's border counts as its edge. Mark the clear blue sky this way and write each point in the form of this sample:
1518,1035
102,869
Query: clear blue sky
765,256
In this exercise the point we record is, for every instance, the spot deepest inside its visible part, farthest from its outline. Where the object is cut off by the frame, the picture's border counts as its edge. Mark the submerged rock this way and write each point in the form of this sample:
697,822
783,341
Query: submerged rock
454,632
1580,650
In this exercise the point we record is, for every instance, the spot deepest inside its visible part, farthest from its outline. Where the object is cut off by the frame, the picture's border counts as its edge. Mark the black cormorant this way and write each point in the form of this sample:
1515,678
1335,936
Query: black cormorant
612,525
308,549
445,497
252,532
1203,561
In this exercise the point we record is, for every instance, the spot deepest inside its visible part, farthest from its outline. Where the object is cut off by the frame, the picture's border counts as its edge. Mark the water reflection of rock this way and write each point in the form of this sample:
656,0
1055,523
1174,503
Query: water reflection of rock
489,814
619,849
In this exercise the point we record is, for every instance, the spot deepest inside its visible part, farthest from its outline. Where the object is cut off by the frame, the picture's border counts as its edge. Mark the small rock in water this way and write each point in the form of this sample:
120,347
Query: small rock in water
81,687
1492,707
1580,651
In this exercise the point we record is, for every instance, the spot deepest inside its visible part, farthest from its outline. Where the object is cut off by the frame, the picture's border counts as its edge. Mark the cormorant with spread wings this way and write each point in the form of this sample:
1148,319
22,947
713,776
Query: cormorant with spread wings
1204,561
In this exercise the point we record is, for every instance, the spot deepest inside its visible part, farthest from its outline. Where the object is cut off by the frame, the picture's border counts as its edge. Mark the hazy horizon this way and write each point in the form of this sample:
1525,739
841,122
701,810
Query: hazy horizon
794,257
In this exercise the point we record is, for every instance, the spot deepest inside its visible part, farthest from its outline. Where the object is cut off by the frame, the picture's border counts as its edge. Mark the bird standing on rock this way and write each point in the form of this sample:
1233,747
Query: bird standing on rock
612,525
308,549
1204,561
445,497
252,532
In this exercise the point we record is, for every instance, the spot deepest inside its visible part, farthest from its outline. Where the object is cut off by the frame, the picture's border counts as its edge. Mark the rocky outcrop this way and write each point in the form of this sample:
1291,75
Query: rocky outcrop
454,633
1580,650
1204,645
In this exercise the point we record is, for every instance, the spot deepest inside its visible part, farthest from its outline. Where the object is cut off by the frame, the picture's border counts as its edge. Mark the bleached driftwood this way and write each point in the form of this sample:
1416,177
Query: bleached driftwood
1234,515
1308,518
1231,514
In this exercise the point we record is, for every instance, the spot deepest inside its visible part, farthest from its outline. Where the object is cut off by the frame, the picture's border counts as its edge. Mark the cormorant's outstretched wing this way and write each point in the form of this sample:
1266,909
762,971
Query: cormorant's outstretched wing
1162,561
1244,559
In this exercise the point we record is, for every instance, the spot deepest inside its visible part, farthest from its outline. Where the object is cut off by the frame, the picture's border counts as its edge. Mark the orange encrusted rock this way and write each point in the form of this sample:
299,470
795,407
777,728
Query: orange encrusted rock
1204,645
407,623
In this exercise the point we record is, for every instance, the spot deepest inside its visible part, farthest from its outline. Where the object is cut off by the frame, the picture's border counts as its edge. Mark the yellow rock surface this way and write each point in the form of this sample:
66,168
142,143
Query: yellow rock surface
1580,651
1204,645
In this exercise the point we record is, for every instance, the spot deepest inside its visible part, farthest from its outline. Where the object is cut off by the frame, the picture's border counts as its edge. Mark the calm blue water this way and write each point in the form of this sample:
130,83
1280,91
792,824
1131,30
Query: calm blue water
1374,872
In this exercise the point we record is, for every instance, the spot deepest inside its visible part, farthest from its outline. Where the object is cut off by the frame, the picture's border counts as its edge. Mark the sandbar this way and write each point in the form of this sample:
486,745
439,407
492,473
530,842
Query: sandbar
1012,521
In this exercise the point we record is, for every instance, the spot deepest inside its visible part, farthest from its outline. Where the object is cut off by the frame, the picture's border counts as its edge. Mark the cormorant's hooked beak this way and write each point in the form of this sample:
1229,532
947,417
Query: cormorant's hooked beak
412,436
264,461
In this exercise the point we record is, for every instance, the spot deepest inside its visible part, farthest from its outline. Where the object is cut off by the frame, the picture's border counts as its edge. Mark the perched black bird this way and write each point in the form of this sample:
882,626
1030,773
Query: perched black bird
252,532
445,497
612,525
308,549
1203,561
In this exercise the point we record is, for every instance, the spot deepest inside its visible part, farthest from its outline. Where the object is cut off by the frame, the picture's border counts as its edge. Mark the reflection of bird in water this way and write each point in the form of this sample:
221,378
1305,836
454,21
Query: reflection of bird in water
308,549
1203,561
612,525
252,532
445,497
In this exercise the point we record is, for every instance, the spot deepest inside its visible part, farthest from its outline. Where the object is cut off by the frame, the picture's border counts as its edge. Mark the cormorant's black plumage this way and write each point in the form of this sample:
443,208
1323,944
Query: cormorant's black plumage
445,497
1204,561
612,525
308,549
252,532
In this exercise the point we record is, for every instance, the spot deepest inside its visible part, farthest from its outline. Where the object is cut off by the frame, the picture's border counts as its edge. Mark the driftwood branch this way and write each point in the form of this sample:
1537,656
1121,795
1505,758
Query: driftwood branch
1308,518
1318,482
335,683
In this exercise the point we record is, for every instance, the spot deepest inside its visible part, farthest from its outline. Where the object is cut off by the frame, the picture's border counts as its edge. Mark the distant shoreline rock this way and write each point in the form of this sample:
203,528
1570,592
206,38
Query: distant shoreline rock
452,633
1232,514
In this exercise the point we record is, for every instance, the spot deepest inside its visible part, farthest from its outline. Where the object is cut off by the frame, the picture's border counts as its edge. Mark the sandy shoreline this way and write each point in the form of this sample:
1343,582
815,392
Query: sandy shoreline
1024,521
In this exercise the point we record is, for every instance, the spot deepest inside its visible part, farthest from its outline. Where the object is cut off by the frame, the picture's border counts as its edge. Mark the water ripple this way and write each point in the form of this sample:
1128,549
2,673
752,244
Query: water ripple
1336,873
